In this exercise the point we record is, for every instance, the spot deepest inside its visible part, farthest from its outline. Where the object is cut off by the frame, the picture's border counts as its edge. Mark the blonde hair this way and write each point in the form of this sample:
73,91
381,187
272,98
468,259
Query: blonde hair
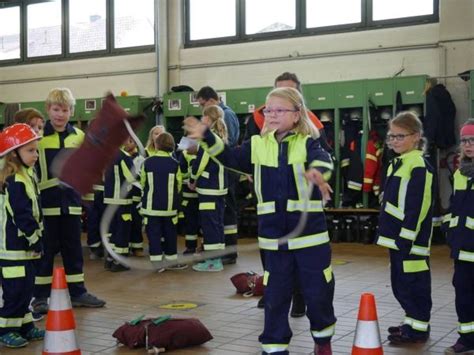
10,165
462,156
410,122
62,97
216,116
149,143
304,126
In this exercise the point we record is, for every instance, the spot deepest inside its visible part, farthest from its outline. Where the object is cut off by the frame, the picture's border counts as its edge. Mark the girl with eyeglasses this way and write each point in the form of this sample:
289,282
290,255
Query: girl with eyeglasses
284,159
460,237
405,224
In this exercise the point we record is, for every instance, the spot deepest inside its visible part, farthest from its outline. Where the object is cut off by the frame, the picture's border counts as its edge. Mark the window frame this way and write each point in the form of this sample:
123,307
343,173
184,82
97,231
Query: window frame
110,51
15,61
367,23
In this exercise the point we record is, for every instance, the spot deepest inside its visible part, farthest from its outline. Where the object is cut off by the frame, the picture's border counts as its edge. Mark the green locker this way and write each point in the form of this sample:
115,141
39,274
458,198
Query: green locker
320,96
411,88
38,105
2,114
380,91
351,94
180,104
244,101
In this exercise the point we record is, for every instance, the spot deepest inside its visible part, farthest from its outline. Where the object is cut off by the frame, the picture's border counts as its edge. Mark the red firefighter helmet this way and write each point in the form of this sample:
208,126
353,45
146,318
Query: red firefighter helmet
15,136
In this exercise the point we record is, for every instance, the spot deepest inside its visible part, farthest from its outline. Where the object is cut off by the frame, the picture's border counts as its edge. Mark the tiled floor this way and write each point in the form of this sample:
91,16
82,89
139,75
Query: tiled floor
235,322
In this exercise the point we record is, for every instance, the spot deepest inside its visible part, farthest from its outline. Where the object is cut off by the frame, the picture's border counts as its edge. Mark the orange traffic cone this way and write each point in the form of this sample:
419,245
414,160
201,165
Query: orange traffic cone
60,337
367,337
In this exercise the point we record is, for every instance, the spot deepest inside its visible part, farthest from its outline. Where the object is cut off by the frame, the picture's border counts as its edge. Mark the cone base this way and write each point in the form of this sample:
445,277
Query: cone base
75,352
363,351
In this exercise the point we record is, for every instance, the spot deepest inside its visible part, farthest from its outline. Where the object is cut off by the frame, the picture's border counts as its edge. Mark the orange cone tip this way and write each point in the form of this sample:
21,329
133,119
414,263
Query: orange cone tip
59,278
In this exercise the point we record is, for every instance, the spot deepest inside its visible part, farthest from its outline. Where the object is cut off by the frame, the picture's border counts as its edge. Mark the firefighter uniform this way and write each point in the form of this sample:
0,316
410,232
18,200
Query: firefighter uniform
405,227
281,189
62,210
161,181
118,174
136,237
211,185
189,203
20,237
460,238
94,216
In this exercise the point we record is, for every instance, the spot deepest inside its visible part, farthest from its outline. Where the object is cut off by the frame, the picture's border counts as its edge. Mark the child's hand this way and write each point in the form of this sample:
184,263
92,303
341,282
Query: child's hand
194,127
192,186
326,192
314,176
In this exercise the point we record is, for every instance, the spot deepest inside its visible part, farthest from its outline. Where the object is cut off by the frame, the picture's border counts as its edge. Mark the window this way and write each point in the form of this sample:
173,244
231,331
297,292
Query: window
44,31
87,25
323,13
212,19
387,9
225,21
134,23
10,33
262,16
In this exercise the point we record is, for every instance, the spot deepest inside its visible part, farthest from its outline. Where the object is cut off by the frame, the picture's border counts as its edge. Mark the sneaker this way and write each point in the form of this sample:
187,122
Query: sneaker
261,302
87,300
40,305
137,252
405,339
210,265
322,349
35,334
117,267
13,340
96,253
177,267
298,308
395,330
189,251
459,348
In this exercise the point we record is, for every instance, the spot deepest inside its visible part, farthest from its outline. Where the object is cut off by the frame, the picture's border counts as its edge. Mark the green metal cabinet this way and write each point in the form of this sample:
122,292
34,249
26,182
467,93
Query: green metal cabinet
380,92
320,96
472,92
411,89
244,101
351,94
2,114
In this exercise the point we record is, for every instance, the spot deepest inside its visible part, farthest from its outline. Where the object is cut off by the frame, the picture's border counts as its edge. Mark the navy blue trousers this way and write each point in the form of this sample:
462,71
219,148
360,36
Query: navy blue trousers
17,293
307,265
136,237
211,215
94,215
191,222
463,282
162,237
62,234
412,290
120,229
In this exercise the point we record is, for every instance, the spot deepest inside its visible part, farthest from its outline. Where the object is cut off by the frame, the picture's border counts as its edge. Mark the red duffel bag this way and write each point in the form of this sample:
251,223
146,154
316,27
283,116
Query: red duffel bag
170,333
248,283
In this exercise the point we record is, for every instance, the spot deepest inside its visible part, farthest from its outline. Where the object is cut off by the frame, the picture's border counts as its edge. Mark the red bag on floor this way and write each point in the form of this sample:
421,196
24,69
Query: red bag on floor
248,283
171,334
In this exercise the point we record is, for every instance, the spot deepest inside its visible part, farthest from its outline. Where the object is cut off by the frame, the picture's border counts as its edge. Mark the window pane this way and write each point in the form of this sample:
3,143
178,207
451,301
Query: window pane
263,16
134,23
87,21
211,18
10,33
44,29
388,9
322,13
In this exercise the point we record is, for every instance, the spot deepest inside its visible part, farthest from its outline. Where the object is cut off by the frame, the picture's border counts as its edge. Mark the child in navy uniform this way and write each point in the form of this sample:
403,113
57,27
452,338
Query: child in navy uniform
22,224
209,178
161,182
284,159
461,241
405,225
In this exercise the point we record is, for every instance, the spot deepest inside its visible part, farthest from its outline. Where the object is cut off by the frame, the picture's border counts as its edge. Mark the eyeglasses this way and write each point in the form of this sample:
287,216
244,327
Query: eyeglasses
397,137
466,141
279,112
